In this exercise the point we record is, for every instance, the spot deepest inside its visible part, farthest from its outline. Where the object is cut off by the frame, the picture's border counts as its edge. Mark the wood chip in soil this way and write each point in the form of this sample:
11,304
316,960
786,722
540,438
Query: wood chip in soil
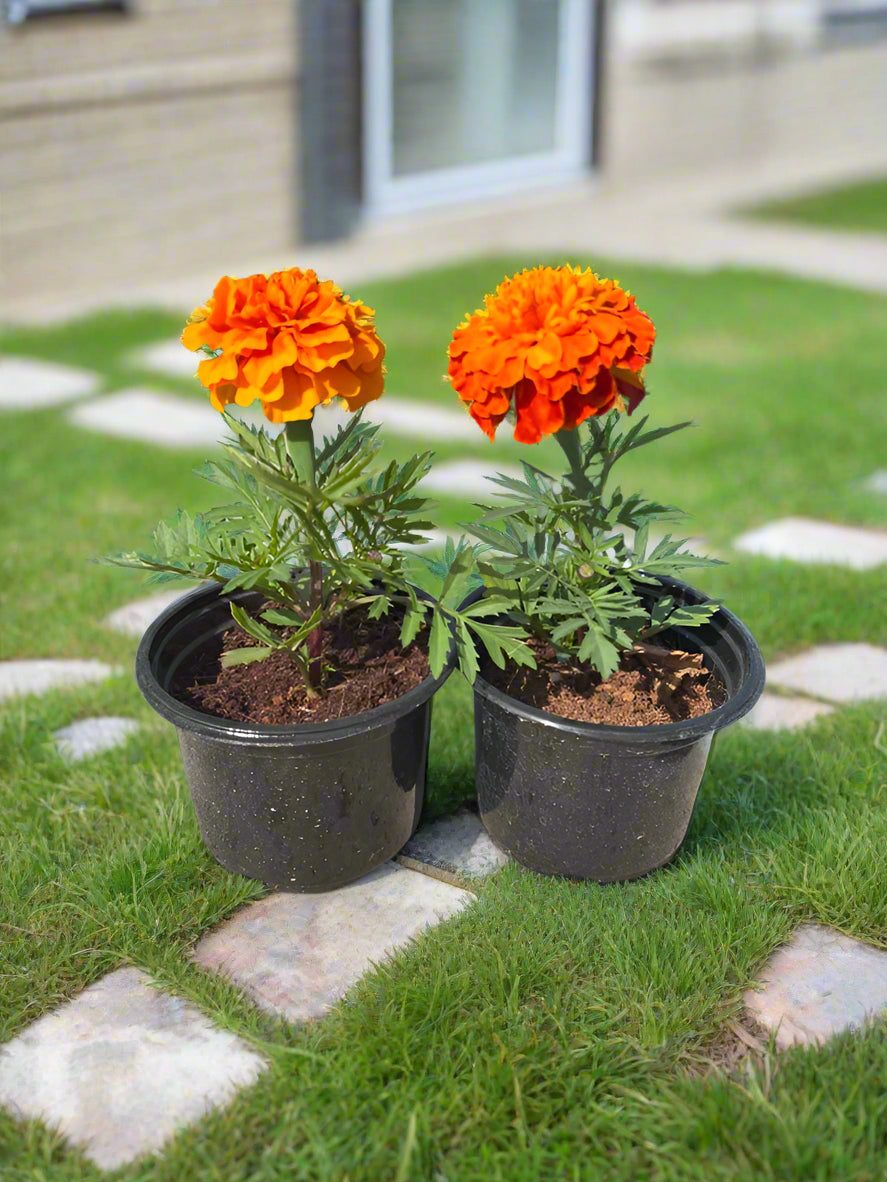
365,664
652,686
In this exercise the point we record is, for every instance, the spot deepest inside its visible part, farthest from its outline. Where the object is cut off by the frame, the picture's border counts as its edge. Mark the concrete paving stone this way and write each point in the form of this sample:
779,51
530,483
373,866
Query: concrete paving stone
27,384
776,713
122,1067
803,540
168,357
877,482
467,478
819,984
133,618
297,955
457,844
151,416
91,736
835,672
39,676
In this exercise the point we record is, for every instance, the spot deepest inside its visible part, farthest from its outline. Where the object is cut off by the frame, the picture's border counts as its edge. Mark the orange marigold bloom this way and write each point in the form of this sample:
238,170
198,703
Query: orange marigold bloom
288,339
556,343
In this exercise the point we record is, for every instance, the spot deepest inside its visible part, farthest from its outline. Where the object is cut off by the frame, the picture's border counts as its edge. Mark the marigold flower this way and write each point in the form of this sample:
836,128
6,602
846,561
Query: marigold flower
556,343
288,339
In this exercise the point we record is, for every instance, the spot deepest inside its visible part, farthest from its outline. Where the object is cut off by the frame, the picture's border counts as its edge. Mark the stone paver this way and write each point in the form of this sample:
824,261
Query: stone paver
27,384
297,955
133,618
819,984
835,672
467,478
877,482
122,1067
152,416
804,540
458,845
36,677
775,713
168,357
91,736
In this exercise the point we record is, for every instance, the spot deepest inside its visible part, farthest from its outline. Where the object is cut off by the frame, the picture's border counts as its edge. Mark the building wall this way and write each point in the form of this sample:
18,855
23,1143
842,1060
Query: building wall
686,105
143,144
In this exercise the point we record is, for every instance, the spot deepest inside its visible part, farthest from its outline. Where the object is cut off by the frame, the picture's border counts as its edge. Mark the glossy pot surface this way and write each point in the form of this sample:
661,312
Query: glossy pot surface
303,807
606,803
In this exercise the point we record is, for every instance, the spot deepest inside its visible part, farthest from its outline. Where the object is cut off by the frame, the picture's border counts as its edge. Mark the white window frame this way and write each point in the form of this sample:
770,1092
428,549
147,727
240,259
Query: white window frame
385,194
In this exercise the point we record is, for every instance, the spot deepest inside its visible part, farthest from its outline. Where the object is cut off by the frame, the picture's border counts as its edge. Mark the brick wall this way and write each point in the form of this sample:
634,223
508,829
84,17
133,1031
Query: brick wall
145,144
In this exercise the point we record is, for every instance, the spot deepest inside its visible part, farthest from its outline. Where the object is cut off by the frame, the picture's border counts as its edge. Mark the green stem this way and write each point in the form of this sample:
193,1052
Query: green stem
569,445
300,449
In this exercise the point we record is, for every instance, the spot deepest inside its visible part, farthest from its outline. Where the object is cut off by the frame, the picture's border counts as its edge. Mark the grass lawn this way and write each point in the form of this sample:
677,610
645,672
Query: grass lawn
555,1030
861,206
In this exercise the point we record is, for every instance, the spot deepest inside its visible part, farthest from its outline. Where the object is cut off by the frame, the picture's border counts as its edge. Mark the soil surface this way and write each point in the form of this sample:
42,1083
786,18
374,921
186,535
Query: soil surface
653,685
365,667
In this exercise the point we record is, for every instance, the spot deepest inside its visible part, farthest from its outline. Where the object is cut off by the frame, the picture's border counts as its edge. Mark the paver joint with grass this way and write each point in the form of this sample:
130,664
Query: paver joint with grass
551,1029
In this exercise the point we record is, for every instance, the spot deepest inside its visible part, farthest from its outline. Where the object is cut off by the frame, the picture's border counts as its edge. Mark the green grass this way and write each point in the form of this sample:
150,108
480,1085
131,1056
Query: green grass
861,206
555,1030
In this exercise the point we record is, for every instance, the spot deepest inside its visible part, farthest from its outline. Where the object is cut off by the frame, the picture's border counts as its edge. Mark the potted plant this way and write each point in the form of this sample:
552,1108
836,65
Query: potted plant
300,676
588,759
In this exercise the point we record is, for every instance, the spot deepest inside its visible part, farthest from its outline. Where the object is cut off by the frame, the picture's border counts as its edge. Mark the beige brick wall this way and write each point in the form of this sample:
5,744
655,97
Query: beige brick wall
141,146
661,118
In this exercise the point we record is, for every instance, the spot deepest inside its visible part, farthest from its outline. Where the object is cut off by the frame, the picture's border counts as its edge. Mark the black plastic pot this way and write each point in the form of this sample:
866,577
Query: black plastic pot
607,803
305,807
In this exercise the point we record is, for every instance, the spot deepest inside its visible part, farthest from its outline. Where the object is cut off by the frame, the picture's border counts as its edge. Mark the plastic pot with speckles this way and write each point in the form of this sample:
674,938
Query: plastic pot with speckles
607,803
306,807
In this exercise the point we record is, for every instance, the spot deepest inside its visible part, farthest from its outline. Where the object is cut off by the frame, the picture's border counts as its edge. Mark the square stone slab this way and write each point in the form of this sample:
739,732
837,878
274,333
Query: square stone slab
168,357
803,540
819,984
877,482
133,618
27,384
121,1068
39,676
836,672
458,845
152,416
92,736
297,955
775,713
467,478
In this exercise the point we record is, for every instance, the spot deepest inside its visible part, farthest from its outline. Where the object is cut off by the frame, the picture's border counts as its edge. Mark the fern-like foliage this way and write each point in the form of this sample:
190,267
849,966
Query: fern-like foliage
569,556
275,533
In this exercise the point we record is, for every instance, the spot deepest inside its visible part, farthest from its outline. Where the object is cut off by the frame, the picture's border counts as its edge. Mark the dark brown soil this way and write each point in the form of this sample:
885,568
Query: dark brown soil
365,667
652,686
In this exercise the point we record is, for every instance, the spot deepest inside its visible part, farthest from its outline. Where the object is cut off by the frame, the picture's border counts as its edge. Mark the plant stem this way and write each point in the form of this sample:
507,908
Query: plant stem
570,446
300,449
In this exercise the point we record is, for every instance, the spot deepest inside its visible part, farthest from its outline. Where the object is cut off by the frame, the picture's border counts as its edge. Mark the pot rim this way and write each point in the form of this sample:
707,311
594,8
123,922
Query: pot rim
737,705
209,726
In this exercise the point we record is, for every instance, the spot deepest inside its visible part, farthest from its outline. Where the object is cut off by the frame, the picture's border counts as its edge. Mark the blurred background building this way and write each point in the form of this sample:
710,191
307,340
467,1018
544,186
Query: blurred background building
144,140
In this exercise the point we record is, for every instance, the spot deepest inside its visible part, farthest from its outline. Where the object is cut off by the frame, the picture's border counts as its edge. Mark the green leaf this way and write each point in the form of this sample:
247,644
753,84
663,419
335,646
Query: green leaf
244,656
438,642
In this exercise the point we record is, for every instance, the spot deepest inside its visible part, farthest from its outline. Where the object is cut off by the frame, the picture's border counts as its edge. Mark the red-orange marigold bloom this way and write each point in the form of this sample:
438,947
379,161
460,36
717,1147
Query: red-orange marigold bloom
556,343
288,339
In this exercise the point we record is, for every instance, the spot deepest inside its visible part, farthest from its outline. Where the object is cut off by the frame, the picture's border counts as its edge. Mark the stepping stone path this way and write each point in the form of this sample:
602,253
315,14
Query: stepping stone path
297,955
133,618
803,540
774,712
877,482
123,1067
456,845
168,357
467,478
819,984
834,672
36,677
92,736
27,384
152,416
